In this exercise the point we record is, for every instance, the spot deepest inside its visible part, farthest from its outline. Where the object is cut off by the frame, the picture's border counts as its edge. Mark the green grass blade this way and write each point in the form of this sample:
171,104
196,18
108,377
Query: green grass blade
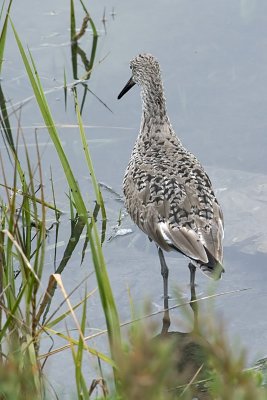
79,355
73,42
12,313
88,158
106,295
72,20
65,90
45,111
105,291
2,9
86,150
4,120
3,36
94,44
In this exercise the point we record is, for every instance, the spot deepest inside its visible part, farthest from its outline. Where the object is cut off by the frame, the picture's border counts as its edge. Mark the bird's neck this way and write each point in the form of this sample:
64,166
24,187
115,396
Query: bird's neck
155,123
153,102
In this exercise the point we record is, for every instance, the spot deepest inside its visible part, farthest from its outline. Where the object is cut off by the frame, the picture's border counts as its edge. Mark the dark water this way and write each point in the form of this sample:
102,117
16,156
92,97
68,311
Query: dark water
213,57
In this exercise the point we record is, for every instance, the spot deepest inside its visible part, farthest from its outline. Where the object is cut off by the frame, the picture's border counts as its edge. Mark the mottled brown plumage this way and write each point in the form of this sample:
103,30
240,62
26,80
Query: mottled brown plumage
167,192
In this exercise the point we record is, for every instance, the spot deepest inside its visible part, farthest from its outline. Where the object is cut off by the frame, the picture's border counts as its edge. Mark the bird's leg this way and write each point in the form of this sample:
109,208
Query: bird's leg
193,302
165,274
192,269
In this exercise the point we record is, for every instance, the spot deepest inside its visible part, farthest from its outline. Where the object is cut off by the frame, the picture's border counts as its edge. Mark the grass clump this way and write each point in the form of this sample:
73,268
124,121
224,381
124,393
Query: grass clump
200,364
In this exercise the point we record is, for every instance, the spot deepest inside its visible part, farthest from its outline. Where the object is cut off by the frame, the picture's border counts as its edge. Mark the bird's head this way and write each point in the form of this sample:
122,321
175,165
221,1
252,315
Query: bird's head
145,70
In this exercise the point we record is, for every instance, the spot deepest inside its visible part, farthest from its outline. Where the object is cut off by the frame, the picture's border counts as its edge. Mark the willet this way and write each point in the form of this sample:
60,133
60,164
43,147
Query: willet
167,192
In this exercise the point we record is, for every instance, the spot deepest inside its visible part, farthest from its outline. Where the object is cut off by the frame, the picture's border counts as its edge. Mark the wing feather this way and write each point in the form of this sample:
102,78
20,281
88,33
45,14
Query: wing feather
176,207
185,240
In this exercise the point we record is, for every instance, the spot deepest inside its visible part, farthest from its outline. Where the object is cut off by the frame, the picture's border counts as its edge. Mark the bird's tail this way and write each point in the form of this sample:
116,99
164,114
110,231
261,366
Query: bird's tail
213,268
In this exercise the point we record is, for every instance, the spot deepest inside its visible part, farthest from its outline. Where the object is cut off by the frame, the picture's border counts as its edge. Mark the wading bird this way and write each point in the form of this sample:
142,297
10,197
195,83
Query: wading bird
167,192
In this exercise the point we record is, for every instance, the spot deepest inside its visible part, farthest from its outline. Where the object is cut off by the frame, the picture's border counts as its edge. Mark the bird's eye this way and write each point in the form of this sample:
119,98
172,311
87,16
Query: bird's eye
131,67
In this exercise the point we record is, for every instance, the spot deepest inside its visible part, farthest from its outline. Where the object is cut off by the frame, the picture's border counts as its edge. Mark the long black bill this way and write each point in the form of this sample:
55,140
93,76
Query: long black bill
126,88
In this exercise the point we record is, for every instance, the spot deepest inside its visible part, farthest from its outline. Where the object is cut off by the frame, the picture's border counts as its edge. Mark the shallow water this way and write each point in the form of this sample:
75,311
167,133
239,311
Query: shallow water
213,58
